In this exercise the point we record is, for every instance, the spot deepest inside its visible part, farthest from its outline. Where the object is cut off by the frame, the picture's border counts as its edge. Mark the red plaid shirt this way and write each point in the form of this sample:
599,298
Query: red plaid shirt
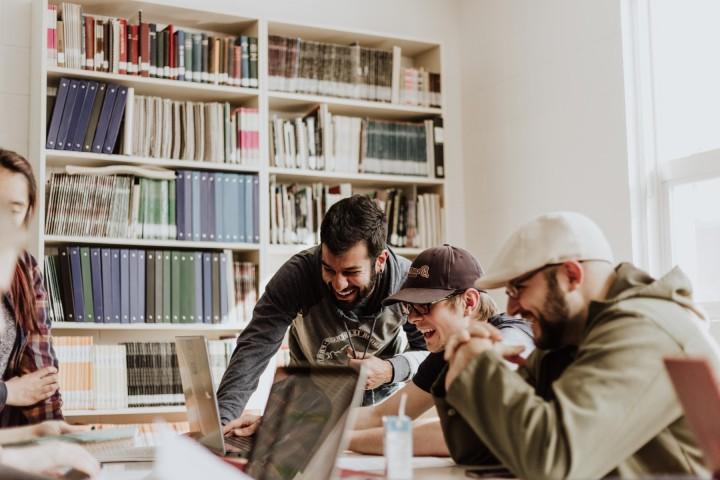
32,352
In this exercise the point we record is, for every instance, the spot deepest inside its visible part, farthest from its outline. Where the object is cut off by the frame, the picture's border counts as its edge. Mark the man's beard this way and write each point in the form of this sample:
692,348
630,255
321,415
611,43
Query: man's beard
555,318
362,295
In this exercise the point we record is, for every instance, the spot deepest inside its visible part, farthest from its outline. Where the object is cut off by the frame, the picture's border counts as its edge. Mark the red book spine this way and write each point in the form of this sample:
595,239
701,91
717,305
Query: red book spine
123,61
135,49
89,42
144,57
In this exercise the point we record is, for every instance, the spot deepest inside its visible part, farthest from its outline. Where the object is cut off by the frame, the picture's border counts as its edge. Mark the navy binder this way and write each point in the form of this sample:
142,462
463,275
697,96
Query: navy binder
115,120
70,102
107,285
57,112
134,315
124,285
75,119
97,289
88,104
104,119
77,288
66,284
224,301
196,209
218,222
140,284
94,117
115,272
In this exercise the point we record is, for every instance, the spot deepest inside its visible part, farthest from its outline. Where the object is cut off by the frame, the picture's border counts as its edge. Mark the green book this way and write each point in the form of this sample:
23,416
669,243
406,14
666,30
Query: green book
167,311
172,226
175,286
187,287
87,283
159,286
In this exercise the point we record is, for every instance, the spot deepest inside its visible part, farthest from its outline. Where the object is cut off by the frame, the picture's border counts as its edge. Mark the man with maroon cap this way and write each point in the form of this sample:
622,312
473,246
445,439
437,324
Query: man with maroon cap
439,298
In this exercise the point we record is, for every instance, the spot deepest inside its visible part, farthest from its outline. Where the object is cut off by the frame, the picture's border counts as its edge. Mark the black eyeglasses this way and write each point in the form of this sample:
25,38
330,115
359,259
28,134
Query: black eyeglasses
513,288
424,308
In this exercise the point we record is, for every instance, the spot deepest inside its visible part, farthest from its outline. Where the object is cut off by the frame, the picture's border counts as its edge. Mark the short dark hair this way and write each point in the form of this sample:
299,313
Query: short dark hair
351,220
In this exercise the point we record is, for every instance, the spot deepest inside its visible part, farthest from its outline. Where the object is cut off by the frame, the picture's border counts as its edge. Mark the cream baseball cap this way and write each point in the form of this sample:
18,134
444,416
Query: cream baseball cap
547,239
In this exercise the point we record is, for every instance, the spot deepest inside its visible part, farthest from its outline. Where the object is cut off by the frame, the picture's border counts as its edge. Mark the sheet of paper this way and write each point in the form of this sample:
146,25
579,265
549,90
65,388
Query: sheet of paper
374,463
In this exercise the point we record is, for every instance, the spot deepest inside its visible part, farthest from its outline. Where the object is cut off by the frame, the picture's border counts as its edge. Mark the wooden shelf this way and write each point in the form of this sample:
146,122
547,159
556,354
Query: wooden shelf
288,250
126,411
368,179
301,102
175,89
238,247
61,158
175,327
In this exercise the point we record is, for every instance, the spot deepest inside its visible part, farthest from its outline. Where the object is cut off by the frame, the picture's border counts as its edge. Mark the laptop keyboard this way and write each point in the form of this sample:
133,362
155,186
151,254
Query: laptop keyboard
244,444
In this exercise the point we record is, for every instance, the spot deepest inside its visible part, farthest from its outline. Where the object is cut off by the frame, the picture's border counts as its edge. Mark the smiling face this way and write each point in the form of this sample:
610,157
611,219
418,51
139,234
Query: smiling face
351,276
444,319
540,300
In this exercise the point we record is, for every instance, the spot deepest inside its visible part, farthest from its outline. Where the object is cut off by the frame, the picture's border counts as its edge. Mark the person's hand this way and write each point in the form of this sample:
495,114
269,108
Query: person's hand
50,458
56,427
32,388
379,371
244,426
479,338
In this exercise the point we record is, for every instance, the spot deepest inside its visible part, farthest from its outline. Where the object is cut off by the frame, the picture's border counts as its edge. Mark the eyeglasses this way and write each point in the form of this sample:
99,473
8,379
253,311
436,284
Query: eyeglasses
514,288
422,309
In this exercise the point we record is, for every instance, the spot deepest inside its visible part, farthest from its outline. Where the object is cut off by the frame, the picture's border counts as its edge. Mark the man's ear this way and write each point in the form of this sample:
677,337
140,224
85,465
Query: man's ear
381,260
472,299
575,274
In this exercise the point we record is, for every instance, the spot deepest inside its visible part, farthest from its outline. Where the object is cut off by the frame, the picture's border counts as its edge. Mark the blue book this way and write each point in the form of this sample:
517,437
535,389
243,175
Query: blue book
224,300
77,286
180,204
78,137
204,207
198,265
77,110
107,285
207,287
196,206
97,290
238,219
134,315
116,118
57,112
248,216
70,102
116,281
124,286
211,207
104,119
256,210
217,210
141,285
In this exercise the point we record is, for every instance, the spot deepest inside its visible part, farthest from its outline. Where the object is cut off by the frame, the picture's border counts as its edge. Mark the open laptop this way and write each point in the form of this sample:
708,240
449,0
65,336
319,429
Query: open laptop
303,429
699,394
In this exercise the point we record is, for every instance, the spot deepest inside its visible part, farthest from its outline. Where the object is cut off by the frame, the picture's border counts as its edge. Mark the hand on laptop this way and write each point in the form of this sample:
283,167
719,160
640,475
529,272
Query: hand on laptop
379,371
244,426
51,458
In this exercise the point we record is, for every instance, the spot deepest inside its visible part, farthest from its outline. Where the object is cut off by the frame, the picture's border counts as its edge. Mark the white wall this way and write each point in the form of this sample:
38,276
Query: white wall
431,20
543,117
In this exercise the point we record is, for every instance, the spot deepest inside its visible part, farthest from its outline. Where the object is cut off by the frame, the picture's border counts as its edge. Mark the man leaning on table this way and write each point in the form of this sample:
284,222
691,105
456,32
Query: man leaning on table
593,399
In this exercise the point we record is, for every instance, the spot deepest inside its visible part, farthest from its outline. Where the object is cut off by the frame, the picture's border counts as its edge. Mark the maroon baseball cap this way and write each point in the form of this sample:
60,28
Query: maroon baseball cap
436,273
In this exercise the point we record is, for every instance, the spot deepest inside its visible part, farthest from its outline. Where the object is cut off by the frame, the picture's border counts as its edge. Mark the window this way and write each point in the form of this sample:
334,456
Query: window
672,62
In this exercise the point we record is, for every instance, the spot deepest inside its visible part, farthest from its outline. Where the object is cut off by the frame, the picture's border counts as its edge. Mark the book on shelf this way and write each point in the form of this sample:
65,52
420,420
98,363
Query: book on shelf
351,71
130,286
324,141
296,212
81,40
153,203
127,375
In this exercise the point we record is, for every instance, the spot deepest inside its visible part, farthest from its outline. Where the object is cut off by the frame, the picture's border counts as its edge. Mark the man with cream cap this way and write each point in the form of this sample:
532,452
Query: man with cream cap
593,399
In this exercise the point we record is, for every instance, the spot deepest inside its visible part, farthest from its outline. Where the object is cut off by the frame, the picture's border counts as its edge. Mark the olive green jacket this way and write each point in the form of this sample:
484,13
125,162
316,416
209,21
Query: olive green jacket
606,408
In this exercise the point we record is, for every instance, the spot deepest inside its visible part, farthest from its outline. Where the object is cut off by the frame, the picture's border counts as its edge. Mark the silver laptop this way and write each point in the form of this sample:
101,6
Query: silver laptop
303,429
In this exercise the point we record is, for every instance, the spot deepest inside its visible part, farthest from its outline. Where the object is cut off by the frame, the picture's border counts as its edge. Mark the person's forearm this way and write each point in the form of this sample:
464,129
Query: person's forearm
17,434
366,418
428,440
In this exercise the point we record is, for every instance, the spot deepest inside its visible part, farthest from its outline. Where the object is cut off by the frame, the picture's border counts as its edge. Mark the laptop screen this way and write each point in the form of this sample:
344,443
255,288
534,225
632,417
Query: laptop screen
303,424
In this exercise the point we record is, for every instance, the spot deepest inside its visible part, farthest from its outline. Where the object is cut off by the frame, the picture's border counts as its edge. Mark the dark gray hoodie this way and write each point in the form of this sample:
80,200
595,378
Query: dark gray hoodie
297,297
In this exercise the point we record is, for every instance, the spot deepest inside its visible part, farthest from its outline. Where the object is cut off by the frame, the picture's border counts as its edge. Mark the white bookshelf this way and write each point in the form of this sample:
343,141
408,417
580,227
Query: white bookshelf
269,257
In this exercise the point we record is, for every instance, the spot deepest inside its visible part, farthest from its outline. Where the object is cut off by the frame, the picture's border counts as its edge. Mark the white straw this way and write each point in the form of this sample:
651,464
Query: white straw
403,399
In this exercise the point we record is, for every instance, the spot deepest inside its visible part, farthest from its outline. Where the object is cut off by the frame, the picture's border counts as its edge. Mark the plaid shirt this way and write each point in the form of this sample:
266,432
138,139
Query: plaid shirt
32,351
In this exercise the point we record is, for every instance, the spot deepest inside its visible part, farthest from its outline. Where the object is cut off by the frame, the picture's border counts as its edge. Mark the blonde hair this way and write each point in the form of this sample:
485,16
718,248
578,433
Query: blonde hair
486,306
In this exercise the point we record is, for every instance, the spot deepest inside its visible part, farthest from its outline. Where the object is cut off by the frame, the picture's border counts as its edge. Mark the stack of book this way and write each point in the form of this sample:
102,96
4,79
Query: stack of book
204,132
120,285
86,116
118,45
133,374
306,66
323,141
153,204
297,210
411,221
